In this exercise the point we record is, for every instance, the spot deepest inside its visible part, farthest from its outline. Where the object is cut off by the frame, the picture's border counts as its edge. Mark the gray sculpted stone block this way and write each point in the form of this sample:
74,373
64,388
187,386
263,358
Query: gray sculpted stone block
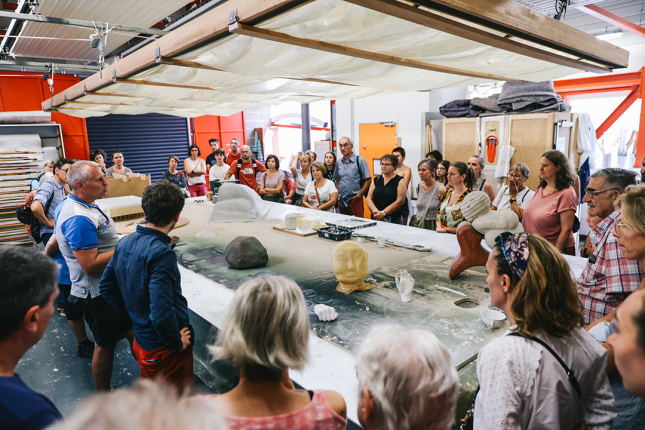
246,252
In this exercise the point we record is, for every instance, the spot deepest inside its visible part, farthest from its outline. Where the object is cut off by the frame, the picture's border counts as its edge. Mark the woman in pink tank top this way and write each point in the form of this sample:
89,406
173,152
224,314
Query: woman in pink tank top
265,334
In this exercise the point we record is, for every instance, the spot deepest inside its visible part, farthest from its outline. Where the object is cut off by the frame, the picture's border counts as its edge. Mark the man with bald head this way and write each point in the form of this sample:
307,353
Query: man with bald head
86,238
246,169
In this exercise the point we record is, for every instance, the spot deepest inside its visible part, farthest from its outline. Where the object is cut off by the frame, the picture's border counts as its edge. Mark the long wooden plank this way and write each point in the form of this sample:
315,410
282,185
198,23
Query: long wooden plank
191,64
195,65
20,173
161,84
518,20
275,36
205,28
431,20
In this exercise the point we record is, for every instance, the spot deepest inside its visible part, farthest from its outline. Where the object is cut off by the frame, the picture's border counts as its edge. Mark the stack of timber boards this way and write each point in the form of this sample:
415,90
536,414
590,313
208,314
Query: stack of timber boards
21,161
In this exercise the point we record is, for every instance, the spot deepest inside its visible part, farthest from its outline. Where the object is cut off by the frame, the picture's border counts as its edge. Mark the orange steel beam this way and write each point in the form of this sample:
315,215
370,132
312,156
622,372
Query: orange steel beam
611,119
598,82
605,90
640,143
611,18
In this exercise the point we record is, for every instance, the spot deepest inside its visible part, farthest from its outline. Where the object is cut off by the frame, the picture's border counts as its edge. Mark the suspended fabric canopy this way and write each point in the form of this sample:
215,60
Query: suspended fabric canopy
257,53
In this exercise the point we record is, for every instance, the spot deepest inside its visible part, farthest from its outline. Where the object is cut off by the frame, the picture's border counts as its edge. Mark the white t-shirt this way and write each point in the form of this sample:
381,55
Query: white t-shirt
218,172
324,193
522,386
502,200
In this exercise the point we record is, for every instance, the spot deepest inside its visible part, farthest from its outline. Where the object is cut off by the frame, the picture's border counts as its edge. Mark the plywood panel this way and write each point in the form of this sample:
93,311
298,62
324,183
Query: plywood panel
531,136
460,139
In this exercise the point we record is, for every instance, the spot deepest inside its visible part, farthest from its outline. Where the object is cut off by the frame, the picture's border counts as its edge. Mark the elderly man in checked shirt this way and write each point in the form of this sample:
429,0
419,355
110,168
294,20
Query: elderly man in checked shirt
608,278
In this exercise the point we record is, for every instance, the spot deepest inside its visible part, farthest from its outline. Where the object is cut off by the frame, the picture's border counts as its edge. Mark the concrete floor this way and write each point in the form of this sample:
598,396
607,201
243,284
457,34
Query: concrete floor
52,368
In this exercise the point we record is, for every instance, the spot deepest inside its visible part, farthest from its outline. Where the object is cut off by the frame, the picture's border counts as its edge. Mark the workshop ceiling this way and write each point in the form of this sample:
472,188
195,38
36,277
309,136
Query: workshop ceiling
139,13
249,53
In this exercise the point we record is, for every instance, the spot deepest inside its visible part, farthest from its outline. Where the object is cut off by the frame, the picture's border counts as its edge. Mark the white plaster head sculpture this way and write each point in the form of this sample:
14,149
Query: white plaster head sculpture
349,262
476,210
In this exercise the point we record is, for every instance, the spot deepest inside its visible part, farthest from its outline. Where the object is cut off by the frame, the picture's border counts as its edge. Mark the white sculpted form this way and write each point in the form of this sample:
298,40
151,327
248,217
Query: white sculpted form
405,285
325,313
476,210
349,262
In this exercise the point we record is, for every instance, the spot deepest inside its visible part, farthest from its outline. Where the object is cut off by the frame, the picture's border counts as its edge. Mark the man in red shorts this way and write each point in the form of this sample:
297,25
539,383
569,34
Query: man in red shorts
142,282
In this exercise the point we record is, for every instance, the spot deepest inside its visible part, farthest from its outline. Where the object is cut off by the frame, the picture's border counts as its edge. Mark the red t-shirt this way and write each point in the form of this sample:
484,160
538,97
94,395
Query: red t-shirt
247,174
230,158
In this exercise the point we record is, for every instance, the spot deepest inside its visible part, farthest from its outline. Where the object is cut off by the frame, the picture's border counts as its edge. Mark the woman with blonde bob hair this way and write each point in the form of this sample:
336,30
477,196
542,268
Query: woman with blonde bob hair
266,333
523,375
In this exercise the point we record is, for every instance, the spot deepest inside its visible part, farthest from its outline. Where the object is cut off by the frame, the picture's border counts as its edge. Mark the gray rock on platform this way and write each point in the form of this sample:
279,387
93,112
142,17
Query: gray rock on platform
246,252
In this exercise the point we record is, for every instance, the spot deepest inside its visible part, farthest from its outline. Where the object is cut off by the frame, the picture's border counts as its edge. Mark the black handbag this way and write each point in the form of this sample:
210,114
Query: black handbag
26,216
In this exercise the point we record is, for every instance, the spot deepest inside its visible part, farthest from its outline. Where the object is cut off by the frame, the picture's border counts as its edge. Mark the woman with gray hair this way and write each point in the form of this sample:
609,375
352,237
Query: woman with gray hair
429,195
149,405
514,196
406,380
266,333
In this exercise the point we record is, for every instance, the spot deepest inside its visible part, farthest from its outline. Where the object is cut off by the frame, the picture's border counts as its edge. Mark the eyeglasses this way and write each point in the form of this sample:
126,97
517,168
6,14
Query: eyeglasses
385,164
511,176
343,145
593,193
64,170
620,226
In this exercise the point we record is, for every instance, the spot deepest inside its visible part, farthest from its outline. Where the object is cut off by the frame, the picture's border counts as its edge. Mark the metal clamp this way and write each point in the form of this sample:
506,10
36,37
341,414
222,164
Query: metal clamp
114,76
232,17
84,90
157,55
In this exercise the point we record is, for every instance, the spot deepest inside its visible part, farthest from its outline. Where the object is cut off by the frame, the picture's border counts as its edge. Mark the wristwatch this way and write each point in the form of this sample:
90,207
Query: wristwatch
383,211
512,200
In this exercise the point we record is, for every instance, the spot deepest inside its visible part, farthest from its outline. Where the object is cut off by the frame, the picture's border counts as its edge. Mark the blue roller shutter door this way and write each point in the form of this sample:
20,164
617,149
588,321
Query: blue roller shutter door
145,140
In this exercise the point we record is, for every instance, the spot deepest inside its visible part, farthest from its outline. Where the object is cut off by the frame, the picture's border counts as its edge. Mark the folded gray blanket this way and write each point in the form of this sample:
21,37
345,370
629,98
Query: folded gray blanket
526,95
488,104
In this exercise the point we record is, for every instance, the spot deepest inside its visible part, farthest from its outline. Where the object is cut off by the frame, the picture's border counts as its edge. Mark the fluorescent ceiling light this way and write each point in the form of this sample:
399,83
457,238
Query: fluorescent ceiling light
609,36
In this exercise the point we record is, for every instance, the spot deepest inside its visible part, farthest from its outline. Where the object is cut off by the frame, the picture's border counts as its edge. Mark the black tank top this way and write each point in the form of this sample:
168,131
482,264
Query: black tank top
385,194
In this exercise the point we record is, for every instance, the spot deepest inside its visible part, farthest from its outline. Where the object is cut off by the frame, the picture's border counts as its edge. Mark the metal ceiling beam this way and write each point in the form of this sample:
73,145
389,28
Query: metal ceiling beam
79,23
60,66
261,33
605,15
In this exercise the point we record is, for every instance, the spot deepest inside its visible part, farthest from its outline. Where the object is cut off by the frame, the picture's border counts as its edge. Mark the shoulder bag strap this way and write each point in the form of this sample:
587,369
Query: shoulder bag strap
569,372
49,203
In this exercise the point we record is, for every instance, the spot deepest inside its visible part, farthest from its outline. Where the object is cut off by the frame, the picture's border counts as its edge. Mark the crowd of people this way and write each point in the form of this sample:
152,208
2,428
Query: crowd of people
572,357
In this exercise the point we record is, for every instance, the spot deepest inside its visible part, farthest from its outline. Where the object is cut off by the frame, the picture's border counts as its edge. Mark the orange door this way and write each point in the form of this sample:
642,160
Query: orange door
375,141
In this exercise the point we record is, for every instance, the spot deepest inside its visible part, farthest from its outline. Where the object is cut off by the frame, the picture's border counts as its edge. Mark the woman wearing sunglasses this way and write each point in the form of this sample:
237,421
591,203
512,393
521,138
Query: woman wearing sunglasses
523,374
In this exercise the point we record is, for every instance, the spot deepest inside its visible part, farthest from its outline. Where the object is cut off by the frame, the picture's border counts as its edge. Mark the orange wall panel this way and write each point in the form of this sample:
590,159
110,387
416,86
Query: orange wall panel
27,92
207,123
223,128
22,93
233,122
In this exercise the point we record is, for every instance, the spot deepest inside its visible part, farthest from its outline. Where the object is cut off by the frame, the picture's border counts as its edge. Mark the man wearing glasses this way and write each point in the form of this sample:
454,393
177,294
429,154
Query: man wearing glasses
49,195
608,277
353,179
